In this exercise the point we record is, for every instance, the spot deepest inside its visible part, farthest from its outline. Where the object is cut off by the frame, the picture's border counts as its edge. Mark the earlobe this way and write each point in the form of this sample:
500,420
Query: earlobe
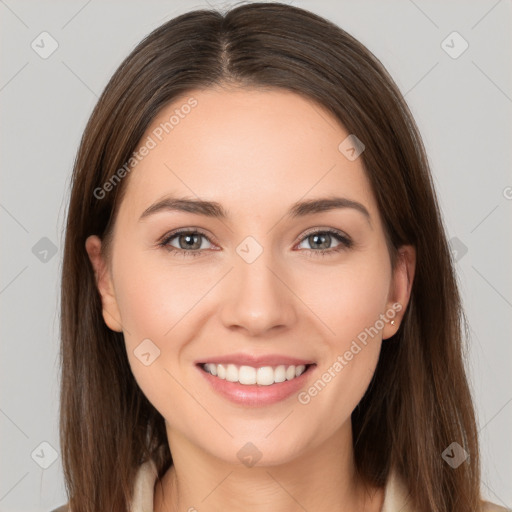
400,292
110,309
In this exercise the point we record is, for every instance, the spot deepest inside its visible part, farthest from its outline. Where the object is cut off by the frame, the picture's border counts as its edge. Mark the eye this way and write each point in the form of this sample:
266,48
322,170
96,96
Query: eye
189,242
321,240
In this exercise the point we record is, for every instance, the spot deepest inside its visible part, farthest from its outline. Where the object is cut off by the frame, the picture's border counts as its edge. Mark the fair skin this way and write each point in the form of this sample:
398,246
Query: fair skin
256,153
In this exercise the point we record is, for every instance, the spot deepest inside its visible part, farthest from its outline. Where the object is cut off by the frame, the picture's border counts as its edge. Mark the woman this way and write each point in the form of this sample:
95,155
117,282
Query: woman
213,356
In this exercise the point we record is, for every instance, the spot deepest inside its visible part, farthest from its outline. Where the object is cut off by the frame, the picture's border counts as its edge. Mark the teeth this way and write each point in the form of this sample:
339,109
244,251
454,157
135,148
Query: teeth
248,375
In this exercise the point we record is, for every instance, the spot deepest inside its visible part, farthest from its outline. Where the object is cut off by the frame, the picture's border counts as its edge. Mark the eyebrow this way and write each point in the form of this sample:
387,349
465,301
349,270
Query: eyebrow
216,210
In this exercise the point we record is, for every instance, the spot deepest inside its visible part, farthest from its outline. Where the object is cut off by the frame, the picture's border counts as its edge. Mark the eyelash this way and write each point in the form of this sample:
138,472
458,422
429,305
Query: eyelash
345,242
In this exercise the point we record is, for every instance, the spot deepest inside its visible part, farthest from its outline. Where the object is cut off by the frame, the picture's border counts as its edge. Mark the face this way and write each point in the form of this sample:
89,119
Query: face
310,288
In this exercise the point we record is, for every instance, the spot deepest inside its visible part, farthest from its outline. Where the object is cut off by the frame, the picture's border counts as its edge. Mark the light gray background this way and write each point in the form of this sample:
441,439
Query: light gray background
463,107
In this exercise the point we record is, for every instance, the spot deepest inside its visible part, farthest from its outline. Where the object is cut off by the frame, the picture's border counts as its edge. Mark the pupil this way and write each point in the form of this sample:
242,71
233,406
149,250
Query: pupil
325,236
190,242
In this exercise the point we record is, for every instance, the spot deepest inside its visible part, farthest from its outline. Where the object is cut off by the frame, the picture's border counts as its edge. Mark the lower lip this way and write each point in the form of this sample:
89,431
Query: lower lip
256,395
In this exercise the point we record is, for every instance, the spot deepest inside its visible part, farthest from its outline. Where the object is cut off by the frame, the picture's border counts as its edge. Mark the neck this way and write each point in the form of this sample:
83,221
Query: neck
322,478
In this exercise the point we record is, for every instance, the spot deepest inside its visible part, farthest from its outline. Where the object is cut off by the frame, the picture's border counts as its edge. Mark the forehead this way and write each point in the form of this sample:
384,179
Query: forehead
248,149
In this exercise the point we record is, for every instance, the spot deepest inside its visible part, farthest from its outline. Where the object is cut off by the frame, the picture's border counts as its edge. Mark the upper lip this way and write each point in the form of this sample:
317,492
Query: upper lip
256,361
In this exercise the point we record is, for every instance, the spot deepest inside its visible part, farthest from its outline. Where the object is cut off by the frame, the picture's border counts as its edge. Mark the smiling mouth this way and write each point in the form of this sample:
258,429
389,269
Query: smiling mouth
249,375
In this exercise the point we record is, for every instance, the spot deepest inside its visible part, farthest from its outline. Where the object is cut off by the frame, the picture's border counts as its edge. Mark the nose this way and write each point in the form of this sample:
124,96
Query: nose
257,297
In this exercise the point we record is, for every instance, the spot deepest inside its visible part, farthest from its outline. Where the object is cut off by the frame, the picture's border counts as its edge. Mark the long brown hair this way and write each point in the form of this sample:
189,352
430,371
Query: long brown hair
418,402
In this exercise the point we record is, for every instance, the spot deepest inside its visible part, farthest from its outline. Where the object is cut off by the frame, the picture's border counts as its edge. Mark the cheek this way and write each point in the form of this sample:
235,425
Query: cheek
348,363
154,297
153,304
348,298
158,302
349,303
156,292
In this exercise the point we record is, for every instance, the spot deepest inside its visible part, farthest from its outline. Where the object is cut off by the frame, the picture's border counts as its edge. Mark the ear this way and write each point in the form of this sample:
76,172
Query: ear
400,290
104,283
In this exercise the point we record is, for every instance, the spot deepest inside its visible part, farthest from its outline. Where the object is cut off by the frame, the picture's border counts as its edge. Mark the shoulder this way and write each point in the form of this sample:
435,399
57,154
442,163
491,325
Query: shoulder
487,506
143,488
